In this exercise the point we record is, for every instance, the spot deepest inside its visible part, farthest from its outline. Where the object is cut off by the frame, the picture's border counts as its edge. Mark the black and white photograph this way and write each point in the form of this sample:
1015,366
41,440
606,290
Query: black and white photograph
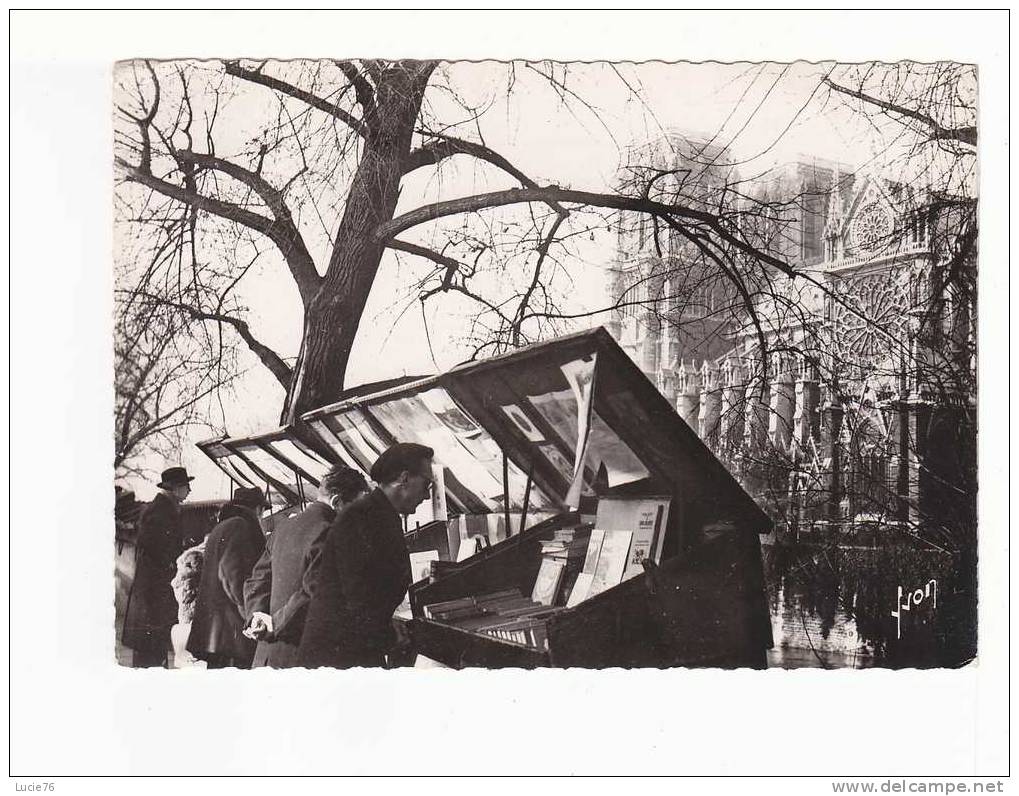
781,295
590,370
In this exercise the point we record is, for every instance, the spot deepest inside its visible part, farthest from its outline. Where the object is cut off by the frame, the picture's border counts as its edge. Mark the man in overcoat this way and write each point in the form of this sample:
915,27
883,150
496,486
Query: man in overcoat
277,593
231,550
365,568
152,608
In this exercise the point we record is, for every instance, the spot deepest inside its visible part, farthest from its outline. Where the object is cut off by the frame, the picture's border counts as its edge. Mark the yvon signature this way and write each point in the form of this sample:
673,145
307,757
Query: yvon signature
906,601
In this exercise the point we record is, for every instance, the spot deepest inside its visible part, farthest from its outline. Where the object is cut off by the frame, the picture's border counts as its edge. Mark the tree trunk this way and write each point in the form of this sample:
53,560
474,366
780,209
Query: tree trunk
331,319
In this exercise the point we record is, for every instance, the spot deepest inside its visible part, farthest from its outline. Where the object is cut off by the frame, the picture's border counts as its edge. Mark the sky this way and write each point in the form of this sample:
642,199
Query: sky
764,113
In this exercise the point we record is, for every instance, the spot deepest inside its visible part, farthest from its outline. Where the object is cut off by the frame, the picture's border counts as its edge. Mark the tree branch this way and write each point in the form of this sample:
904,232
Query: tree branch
554,193
433,152
452,266
143,122
546,243
964,135
285,233
455,288
234,68
273,361
231,212
281,231
158,423
362,89
748,302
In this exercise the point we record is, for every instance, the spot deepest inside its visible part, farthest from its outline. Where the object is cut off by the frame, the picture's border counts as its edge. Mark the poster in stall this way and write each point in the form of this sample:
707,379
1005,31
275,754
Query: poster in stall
558,459
439,509
448,413
410,419
305,459
522,422
580,375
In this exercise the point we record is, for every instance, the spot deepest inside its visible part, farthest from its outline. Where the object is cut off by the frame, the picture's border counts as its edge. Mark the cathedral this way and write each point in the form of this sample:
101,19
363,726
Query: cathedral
835,377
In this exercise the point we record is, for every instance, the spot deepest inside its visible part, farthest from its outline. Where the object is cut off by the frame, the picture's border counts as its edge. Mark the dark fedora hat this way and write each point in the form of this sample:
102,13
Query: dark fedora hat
250,496
174,476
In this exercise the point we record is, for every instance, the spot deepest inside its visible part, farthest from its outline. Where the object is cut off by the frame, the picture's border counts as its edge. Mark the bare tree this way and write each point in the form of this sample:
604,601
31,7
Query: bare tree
165,385
320,179
312,181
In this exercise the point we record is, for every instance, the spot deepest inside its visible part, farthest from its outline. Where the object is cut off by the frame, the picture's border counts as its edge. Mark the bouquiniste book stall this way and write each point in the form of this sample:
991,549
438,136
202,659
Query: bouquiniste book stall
280,459
282,463
289,463
638,547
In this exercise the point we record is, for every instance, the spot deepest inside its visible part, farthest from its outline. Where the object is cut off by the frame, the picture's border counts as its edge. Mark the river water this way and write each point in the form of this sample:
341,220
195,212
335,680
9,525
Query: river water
838,605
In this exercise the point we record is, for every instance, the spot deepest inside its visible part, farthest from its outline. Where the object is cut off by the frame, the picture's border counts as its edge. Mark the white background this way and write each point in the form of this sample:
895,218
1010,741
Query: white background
75,713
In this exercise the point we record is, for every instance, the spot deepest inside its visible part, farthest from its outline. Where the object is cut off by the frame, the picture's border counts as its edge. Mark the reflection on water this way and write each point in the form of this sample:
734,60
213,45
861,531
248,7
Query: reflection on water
794,658
804,640
832,605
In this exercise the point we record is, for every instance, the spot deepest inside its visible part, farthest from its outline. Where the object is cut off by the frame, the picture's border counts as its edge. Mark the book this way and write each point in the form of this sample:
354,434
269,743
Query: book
580,589
650,528
421,564
611,561
535,609
506,615
546,585
593,551
509,596
646,518
442,568
470,546
438,608
528,631
463,602
581,531
675,511
574,556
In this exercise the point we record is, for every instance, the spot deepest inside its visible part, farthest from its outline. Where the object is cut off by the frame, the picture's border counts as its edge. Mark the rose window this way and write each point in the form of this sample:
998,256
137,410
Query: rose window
872,227
868,322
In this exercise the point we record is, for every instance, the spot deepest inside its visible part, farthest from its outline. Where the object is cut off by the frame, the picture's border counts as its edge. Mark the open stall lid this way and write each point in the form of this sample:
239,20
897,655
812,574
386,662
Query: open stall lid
236,467
279,459
546,425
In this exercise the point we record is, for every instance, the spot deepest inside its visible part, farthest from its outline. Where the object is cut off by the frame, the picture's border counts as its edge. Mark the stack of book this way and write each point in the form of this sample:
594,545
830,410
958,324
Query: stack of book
603,566
568,545
627,533
562,559
451,611
530,630
506,615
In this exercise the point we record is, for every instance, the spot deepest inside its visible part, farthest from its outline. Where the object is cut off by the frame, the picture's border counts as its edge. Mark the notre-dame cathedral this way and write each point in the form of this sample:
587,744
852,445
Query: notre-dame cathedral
835,374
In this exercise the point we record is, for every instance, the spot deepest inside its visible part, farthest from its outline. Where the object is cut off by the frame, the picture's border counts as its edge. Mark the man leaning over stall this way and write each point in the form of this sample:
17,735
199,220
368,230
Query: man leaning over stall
365,567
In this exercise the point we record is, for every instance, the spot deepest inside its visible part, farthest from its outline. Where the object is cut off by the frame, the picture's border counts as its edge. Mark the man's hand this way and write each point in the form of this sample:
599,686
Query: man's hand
402,652
259,626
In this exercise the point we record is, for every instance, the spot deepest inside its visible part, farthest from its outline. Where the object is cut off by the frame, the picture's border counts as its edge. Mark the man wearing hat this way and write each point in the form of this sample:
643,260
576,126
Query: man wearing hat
152,608
364,571
231,550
